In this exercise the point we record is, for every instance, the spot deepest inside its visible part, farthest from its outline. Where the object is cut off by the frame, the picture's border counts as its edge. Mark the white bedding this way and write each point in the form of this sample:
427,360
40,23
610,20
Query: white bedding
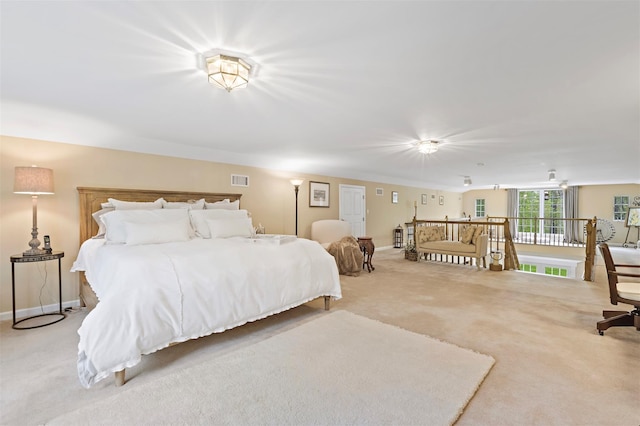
156,294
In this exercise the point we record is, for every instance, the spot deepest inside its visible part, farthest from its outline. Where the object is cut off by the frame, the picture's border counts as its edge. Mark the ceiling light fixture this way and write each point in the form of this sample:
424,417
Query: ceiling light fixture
467,181
228,72
564,184
552,175
428,147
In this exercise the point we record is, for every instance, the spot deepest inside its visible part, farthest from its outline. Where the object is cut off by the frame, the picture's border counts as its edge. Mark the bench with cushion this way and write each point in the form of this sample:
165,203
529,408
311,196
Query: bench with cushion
472,242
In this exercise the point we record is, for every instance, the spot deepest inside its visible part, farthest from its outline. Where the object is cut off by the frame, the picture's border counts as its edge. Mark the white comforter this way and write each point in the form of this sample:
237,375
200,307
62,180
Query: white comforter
153,295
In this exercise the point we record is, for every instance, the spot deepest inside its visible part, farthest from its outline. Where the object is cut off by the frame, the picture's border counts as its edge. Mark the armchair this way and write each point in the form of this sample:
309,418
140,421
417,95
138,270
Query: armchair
623,292
329,230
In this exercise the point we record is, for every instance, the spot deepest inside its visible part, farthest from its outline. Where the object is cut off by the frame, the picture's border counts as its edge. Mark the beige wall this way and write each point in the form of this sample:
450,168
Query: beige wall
270,198
593,201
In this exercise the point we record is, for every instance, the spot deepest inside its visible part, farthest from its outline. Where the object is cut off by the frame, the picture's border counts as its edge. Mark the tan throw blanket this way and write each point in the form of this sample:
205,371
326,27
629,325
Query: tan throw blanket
348,256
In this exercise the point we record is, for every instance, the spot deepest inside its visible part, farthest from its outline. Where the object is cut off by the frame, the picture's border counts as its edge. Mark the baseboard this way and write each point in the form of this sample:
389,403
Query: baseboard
27,312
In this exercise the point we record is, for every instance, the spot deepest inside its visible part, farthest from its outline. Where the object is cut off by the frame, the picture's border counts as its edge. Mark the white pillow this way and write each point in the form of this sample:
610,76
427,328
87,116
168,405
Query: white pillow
96,216
225,228
157,232
191,205
116,231
134,205
224,205
199,219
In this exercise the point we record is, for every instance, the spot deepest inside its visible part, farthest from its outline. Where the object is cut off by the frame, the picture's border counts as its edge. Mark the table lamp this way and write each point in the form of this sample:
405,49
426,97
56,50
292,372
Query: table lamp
33,181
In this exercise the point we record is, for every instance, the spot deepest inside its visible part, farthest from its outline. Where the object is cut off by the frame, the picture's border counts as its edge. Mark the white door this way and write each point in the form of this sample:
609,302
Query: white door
353,208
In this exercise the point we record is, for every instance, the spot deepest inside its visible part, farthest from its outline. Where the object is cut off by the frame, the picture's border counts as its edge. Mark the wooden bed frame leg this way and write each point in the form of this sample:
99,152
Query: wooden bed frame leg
327,303
119,375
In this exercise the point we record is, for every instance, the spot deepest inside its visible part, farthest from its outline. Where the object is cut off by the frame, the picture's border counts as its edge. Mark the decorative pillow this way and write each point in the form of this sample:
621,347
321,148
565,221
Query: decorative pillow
157,232
225,228
116,230
96,216
479,231
190,205
223,205
199,219
134,205
466,234
430,233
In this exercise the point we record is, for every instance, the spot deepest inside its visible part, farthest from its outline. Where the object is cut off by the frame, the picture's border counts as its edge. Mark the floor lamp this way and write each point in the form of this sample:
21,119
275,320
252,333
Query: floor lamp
296,185
33,181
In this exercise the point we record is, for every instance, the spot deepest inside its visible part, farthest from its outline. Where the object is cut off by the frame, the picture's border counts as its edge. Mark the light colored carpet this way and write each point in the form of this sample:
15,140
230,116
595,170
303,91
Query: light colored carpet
339,368
552,368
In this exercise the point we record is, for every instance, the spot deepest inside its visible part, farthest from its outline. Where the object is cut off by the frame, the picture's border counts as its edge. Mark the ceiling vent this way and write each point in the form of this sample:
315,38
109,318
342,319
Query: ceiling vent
239,180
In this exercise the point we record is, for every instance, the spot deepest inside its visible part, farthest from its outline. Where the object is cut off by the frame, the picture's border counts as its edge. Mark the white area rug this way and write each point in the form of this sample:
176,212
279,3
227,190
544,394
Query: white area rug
340,368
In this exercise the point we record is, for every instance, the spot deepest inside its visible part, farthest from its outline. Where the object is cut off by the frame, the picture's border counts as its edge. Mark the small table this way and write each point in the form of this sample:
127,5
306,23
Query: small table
19,258
367,247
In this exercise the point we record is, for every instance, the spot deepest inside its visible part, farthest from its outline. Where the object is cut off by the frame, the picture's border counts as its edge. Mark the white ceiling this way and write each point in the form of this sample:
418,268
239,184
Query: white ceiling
511,88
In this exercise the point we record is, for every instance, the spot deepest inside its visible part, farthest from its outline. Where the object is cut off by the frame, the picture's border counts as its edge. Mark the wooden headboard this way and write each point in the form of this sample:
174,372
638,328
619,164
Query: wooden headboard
92,198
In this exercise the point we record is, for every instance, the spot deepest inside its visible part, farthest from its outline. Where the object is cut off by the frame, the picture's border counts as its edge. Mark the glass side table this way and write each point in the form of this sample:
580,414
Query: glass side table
19,258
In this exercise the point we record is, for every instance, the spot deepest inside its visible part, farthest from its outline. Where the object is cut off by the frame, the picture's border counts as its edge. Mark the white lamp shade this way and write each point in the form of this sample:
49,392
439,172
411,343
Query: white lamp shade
33,181
296,182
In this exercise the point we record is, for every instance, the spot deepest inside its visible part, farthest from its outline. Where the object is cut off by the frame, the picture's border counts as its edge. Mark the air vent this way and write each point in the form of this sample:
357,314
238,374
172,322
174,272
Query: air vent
239,180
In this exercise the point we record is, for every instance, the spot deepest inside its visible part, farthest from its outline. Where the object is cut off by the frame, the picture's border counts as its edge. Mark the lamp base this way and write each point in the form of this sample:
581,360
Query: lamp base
34,252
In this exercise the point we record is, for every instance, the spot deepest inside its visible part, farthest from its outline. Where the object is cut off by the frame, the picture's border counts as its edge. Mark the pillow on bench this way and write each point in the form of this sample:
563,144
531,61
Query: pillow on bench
431,233
469,234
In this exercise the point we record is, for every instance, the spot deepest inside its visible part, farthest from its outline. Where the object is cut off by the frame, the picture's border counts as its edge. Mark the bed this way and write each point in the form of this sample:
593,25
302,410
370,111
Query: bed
156,280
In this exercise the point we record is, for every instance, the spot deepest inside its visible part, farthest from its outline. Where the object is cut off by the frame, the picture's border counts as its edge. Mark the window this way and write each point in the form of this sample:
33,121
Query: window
528,268
480,208
556,271
534,205
620,206
552,211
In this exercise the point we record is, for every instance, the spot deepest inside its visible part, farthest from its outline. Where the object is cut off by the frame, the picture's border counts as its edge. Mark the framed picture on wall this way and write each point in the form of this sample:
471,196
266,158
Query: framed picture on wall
318,194
424,198
394,197
441,200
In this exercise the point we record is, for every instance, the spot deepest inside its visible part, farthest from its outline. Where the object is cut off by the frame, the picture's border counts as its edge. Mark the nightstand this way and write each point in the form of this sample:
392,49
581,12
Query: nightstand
19,258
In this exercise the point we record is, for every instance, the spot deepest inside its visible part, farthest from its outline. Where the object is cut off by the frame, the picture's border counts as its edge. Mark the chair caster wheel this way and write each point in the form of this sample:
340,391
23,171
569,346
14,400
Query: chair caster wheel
600,332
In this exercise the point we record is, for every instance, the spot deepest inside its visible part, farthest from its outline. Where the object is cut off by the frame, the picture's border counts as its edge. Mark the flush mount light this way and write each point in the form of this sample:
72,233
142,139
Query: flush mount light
428,147
228,72
552,175
467,181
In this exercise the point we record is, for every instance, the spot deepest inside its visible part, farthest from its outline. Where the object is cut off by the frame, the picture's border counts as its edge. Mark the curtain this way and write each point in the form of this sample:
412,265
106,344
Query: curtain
512,210
572,232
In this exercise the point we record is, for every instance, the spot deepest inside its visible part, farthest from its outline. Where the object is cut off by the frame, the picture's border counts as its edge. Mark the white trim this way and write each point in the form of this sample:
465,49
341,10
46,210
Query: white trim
28,312
574,267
